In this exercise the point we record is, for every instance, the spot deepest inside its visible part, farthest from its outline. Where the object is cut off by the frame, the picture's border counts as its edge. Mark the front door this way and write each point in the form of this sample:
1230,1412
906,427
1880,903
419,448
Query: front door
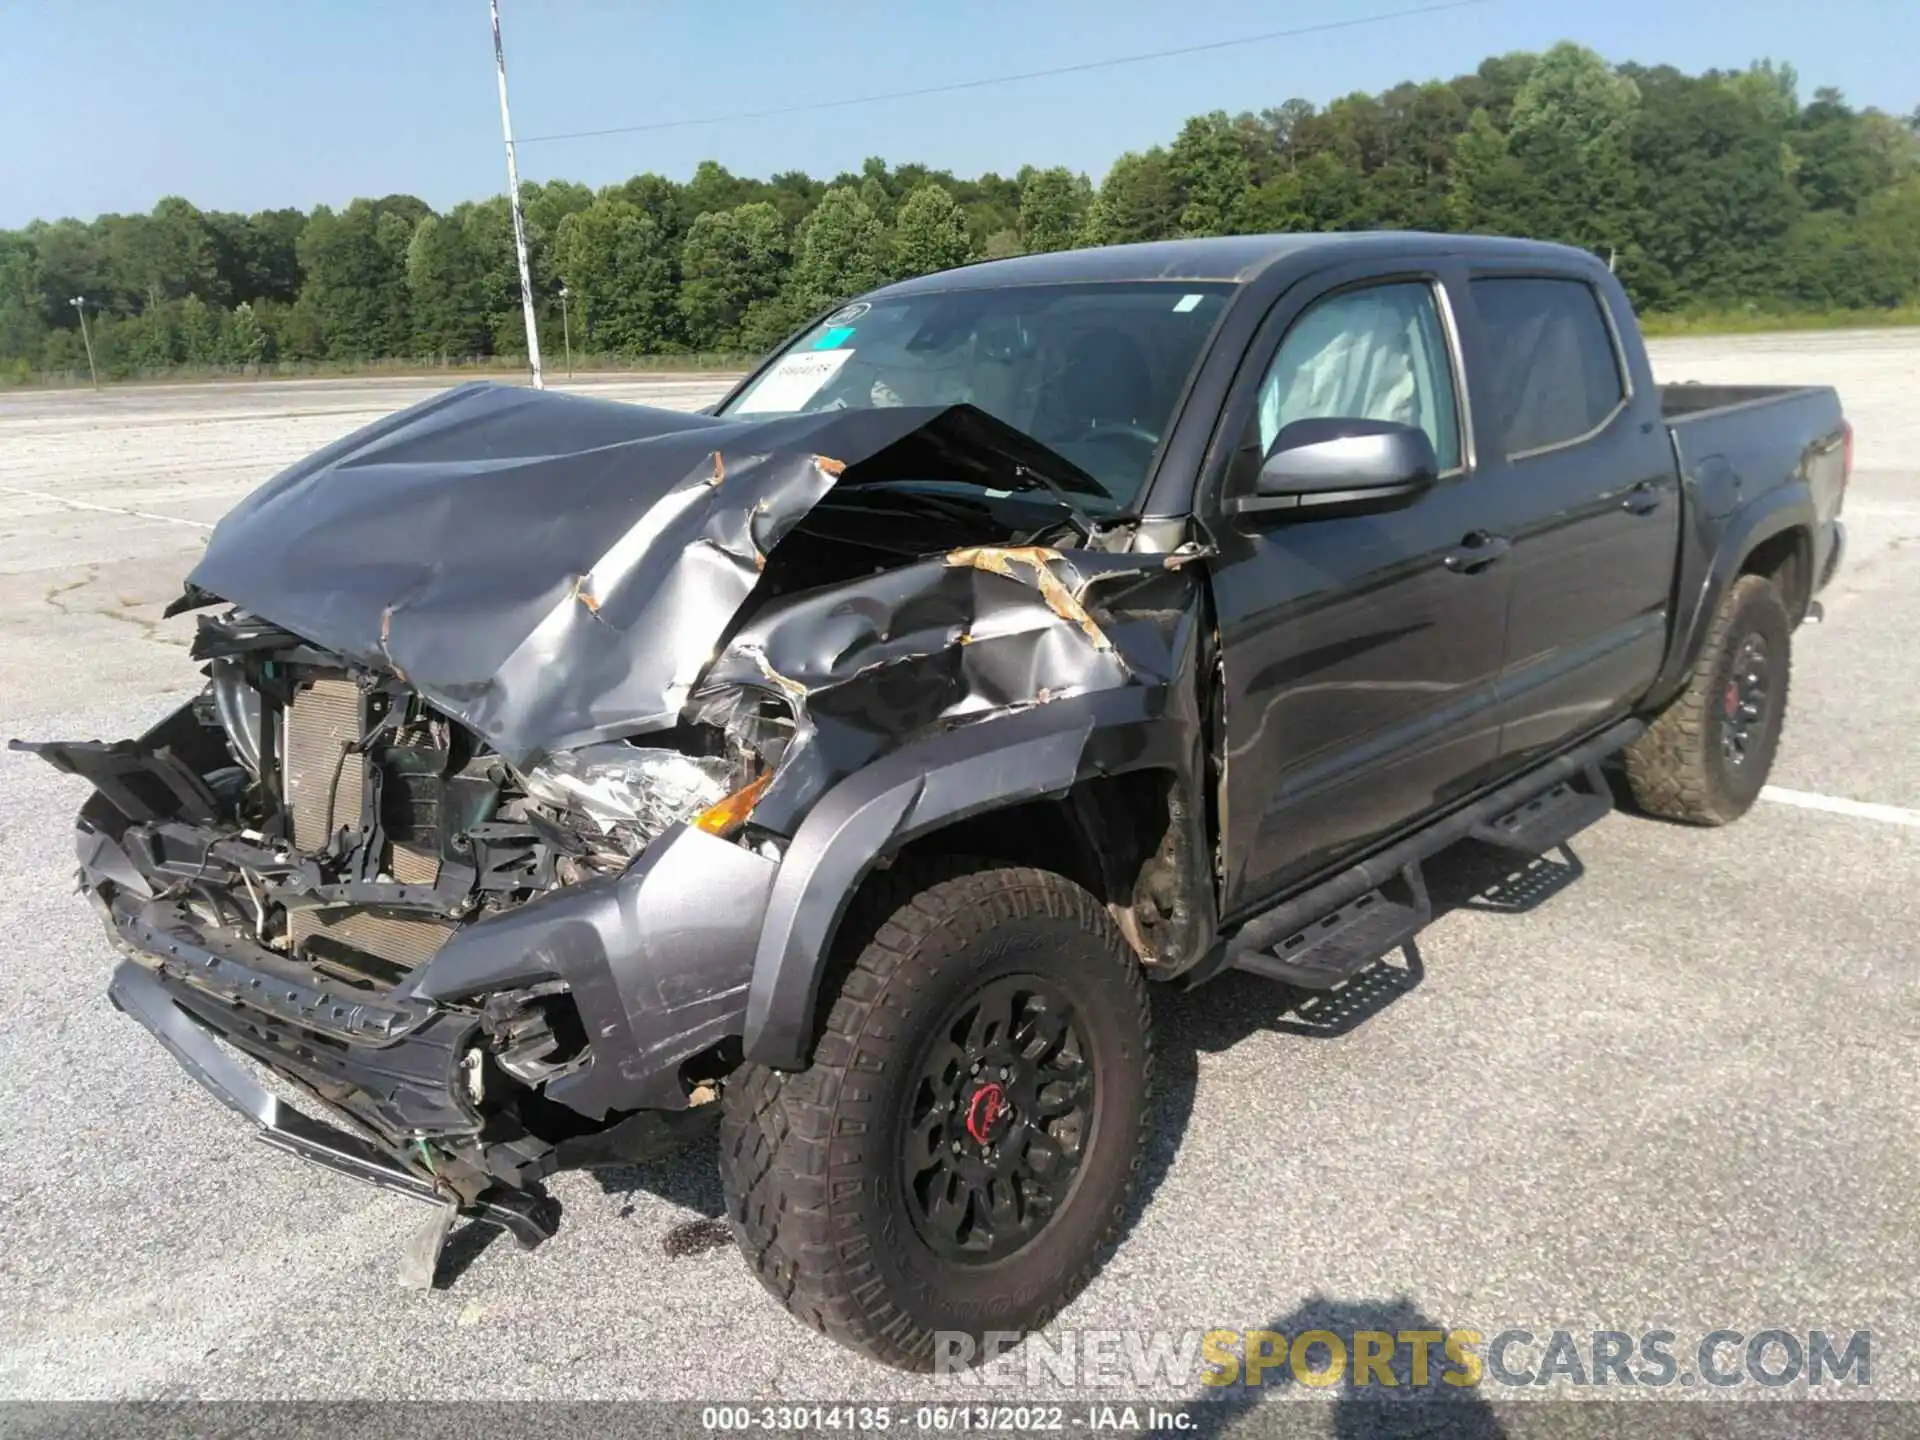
1360,653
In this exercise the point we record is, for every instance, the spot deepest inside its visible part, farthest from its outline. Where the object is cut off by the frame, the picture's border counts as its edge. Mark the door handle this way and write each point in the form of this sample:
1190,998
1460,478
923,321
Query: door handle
1644,498
1476,551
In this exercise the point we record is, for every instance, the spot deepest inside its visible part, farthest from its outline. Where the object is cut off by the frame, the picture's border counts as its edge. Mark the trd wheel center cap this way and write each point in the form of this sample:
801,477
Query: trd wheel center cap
997,1121
988,1113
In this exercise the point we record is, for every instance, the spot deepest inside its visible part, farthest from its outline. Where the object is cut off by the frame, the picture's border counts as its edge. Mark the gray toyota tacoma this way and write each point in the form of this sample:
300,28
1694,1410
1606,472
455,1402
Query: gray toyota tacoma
851,763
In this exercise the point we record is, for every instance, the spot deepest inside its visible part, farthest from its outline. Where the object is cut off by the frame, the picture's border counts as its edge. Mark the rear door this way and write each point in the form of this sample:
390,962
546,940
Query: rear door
1579,473
1359,666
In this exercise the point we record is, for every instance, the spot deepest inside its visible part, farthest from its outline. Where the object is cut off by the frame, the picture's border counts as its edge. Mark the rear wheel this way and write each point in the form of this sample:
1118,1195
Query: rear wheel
960,1150
1705,759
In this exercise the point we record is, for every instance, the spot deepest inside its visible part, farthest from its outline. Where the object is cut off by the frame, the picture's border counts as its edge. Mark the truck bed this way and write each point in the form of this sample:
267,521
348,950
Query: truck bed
1691,400
1737,444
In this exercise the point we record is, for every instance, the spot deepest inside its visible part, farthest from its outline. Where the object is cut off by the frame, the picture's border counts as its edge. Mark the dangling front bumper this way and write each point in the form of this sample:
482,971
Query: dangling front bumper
141,994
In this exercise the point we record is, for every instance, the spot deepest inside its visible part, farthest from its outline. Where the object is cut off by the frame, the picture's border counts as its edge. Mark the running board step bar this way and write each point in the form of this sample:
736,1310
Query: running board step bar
1550,818
1261,943
1347,940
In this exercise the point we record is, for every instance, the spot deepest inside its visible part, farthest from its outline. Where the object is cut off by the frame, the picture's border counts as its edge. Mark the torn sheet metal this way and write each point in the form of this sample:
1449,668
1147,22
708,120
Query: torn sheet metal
551,569
370,905
869,665
1039,561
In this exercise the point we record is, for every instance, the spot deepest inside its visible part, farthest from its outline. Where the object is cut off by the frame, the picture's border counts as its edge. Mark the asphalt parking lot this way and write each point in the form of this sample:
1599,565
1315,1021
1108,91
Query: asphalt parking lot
1677,1091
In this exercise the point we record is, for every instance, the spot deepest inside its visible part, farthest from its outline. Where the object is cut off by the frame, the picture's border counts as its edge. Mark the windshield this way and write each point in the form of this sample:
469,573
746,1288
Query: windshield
1090,370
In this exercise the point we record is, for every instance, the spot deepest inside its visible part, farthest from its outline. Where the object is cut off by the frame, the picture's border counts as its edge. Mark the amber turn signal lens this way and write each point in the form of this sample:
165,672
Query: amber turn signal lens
731,813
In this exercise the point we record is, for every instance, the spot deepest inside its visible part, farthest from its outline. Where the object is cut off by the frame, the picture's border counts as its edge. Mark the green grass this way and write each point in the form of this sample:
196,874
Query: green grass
1751,321
480,367
1748,320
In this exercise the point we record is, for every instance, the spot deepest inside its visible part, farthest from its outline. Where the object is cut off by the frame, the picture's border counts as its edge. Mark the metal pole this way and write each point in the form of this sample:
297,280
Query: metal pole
80,304
513,202
566,329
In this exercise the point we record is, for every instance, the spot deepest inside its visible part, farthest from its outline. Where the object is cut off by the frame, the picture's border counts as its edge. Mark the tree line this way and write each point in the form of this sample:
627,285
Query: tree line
1717,190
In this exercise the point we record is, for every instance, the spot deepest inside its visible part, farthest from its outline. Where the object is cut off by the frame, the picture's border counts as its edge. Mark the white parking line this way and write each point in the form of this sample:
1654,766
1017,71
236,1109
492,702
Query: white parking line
1834,805
103,509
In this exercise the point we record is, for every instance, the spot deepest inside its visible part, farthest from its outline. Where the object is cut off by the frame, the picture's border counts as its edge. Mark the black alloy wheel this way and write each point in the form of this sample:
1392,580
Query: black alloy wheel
958,1153
1743,704
998,1118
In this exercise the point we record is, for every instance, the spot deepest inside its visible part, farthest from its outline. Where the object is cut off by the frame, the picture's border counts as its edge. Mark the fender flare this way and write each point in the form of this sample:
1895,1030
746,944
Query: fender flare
1703,583
1032,754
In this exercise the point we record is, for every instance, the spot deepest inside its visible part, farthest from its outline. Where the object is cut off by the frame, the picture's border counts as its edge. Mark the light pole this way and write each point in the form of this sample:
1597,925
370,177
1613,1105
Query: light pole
80,304
513,203
566,330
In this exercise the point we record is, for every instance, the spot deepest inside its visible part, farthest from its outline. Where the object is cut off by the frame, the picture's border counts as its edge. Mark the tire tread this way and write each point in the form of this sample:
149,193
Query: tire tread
778,1136
1668,767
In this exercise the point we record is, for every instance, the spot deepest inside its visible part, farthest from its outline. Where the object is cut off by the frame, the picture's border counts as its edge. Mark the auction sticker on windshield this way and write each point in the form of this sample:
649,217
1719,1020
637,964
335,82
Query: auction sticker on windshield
791,382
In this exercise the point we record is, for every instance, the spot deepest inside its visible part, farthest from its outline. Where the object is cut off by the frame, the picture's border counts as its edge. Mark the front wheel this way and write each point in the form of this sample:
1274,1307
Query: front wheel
960,1151
1706,757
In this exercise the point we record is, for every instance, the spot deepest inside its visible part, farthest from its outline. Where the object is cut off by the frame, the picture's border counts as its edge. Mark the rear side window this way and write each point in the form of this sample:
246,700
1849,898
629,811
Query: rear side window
1556,374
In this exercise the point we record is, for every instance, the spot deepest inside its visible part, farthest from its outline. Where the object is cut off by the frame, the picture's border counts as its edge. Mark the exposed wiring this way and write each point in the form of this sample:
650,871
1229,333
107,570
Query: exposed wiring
347,747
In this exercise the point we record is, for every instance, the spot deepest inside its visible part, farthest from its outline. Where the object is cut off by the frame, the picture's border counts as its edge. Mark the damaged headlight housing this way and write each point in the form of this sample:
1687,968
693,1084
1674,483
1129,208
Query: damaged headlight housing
633,793
629,794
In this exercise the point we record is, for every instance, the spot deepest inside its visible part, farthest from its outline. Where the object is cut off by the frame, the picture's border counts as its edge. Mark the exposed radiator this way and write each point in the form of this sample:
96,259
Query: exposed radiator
325,786
413,866
323,719
404,939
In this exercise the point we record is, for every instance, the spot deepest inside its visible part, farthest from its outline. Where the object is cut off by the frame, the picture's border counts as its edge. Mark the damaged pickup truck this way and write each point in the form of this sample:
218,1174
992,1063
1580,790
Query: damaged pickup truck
853,760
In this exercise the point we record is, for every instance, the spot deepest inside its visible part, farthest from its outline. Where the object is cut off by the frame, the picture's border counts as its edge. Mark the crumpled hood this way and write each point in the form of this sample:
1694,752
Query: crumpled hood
551,569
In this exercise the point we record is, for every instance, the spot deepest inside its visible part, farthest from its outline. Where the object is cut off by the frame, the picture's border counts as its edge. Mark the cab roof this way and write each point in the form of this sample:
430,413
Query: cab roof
1235,259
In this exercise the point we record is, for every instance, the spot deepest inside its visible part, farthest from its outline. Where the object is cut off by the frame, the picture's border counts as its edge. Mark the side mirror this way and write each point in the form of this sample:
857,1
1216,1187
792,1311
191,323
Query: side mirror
1348,464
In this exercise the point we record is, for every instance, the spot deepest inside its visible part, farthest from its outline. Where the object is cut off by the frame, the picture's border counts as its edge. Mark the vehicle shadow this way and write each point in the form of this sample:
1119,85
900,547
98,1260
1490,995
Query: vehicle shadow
686,1175
1224,1012
464,1246
1436,1410
1469,876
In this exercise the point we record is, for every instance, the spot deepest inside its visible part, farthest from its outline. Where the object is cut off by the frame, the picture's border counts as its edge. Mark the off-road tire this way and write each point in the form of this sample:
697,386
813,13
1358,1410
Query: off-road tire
809,1159
1679,769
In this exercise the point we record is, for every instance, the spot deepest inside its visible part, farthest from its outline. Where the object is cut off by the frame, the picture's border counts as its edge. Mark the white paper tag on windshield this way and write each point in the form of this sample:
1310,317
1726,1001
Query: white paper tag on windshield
792,382
1186,303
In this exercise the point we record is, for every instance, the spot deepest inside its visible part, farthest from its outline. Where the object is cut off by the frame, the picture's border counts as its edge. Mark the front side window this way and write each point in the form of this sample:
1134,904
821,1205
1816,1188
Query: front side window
1555,371
1092,370
1372,354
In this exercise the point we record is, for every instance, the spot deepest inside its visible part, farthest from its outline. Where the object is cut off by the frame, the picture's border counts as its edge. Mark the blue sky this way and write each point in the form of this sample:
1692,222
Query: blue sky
245,104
